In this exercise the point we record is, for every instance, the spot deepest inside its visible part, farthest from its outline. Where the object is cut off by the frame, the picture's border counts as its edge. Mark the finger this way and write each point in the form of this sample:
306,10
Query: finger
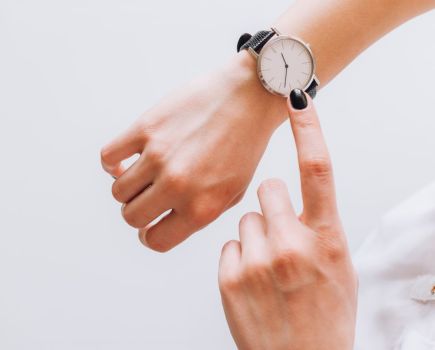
167,233
121,148
134,180
318,192
277,209
229,262
146,207
237,307
252,233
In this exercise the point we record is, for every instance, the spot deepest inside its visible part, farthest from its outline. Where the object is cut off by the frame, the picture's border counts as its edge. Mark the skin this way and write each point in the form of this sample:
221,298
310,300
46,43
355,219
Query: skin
289,282
199,147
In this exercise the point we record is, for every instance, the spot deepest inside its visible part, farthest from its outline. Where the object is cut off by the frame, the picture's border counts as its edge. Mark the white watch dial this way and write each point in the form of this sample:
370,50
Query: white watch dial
285,64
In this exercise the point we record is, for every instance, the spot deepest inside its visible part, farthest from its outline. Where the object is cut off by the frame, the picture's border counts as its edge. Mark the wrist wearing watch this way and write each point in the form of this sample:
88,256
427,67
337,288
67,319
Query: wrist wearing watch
284,62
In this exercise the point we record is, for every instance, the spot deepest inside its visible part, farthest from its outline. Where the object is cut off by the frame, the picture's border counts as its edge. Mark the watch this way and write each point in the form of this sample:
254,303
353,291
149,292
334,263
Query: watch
284,62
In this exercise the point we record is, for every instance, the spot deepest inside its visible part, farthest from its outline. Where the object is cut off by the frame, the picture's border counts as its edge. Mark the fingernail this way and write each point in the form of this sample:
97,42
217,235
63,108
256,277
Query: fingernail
298,99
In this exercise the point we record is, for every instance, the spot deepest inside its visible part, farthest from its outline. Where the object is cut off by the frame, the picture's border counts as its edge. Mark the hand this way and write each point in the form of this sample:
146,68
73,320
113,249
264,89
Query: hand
198,151
289,282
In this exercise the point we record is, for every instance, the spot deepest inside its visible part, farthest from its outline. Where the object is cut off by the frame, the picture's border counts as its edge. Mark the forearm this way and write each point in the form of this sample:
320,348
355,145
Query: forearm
217,128
338,30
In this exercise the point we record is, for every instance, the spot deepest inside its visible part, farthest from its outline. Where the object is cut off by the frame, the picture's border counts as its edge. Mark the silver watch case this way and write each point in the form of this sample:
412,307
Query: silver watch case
271,42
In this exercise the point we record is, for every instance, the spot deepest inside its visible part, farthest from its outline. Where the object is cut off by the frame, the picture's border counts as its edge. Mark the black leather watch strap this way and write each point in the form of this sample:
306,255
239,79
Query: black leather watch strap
256,41
312,89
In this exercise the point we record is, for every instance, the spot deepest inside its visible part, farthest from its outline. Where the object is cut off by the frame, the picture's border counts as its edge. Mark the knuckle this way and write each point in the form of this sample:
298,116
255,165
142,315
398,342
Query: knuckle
203,213
328,227
335,253
176,180
256,273
155,156
138,136
284,263
140,130
317,167
105,154
159,247
142,134
117,192
158,242
306,121
334,249
228,245
131,218
248,218
229,283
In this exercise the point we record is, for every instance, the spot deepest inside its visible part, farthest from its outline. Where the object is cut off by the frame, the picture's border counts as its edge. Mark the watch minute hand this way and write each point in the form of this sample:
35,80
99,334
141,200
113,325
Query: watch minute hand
285,77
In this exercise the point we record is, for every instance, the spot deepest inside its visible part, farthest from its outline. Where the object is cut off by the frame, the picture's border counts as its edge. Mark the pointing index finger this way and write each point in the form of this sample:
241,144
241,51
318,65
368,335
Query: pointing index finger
317,182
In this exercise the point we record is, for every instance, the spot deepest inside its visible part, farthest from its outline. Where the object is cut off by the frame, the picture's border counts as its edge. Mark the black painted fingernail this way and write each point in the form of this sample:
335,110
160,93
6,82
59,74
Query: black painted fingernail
298,99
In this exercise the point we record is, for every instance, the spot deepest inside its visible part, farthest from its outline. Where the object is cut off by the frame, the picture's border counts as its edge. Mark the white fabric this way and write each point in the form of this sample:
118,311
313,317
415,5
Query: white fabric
396,267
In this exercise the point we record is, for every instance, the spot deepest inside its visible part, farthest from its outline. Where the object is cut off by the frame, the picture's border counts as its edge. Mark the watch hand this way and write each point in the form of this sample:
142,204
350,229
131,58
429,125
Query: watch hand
286,69
285,62
285,78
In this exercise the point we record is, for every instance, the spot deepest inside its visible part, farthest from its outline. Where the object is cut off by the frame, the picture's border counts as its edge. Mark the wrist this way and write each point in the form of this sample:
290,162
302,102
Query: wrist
243,72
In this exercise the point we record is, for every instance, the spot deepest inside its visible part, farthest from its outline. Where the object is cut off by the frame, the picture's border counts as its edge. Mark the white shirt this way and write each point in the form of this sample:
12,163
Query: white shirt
396,267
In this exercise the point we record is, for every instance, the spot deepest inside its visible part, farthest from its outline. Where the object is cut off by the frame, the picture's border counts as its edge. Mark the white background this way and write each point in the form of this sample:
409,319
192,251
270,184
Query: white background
73,74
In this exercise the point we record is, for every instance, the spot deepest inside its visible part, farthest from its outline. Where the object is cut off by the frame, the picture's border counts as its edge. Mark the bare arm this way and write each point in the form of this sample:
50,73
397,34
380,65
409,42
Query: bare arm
338,30
200,146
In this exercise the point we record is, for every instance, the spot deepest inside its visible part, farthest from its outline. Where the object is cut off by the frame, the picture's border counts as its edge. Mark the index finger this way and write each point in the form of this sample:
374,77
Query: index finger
317,181
120,149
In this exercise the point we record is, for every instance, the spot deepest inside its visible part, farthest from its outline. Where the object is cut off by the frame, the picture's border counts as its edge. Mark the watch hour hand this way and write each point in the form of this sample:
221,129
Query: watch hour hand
285,62
286,68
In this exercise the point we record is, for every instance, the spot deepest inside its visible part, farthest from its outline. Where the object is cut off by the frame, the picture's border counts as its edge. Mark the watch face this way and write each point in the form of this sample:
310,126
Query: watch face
285,64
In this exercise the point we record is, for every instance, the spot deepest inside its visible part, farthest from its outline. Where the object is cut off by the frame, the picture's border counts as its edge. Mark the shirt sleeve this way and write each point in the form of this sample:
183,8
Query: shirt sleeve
396,267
